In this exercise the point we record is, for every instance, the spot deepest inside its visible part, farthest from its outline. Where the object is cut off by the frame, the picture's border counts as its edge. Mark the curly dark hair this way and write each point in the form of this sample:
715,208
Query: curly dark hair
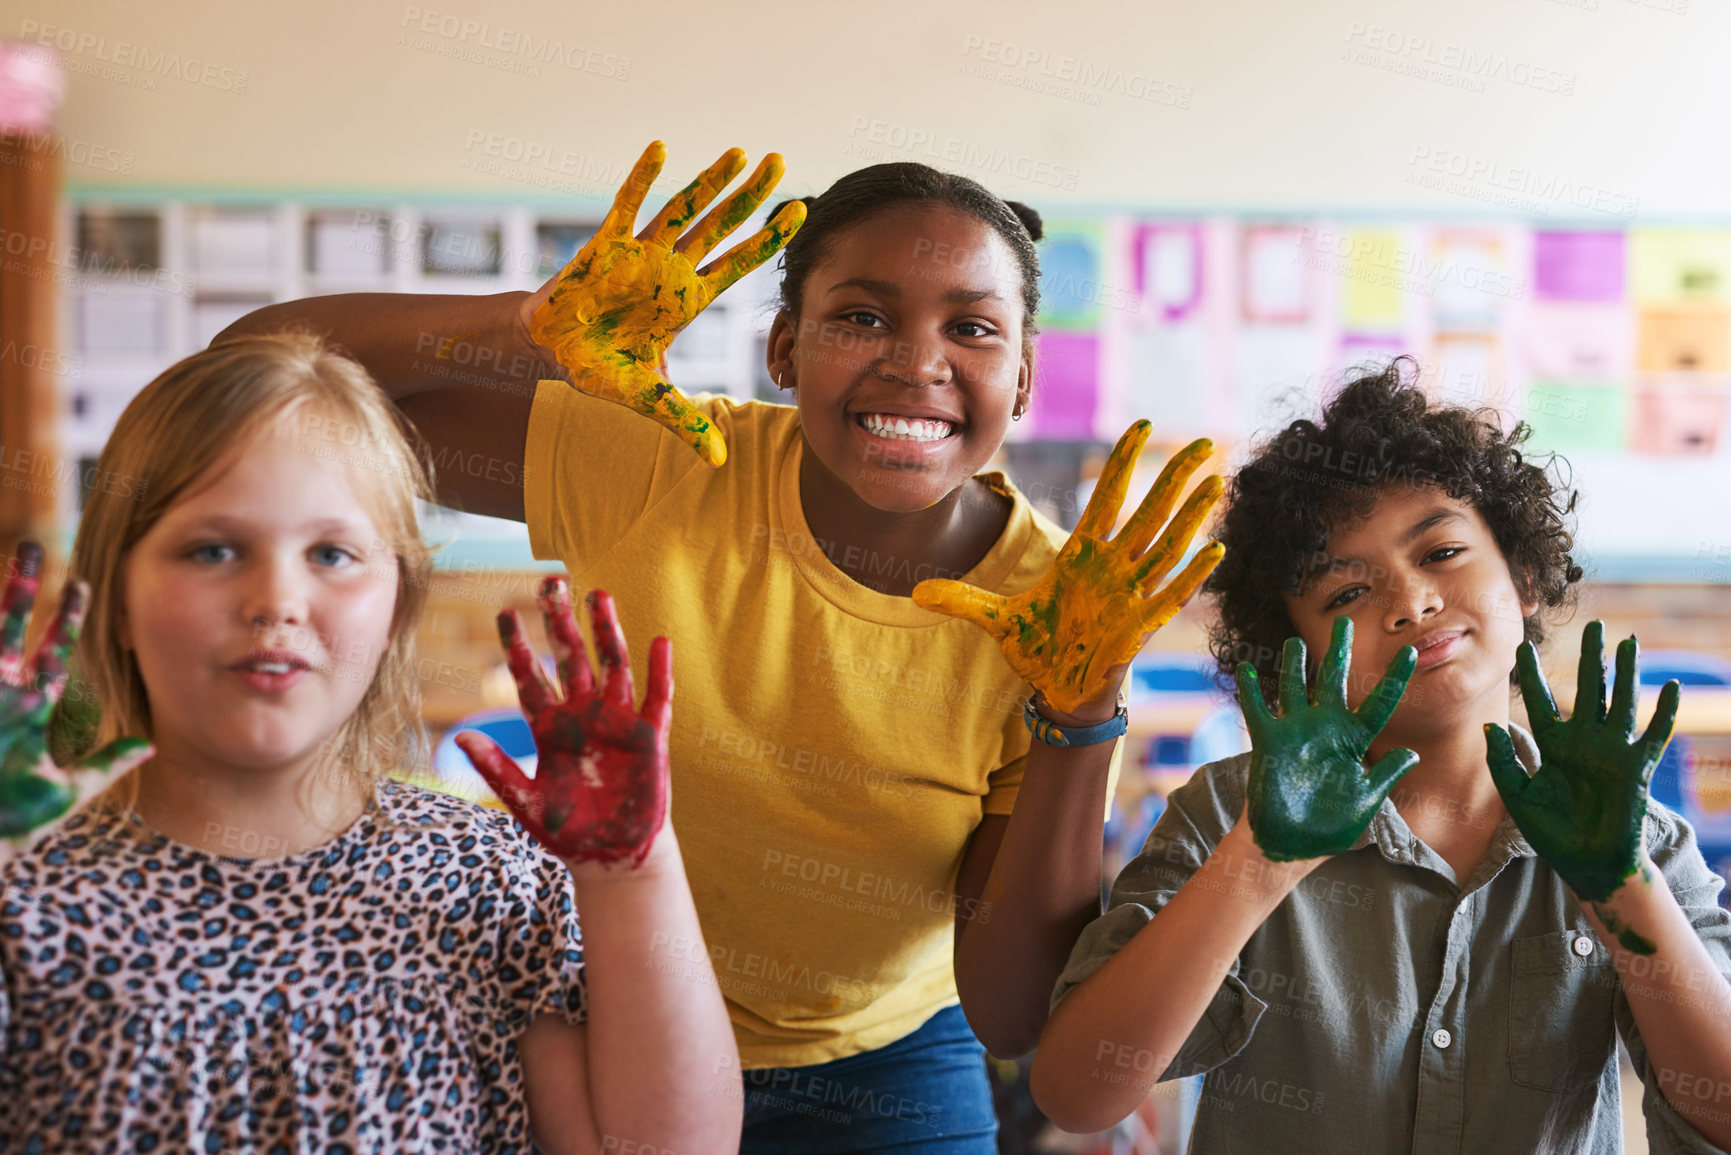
1381,430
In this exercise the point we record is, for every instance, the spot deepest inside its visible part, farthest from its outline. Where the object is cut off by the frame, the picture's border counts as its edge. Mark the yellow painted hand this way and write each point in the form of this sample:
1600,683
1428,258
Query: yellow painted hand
1073,635
613,310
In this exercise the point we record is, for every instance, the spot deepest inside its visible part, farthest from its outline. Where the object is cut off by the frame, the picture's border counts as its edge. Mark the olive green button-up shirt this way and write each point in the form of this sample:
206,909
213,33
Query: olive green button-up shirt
1388,1006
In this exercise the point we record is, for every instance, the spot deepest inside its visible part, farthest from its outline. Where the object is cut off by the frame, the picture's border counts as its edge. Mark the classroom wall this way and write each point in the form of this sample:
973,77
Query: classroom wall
1330,104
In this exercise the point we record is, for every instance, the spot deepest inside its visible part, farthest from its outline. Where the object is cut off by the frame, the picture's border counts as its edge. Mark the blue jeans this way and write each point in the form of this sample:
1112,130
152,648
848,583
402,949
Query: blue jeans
925,1093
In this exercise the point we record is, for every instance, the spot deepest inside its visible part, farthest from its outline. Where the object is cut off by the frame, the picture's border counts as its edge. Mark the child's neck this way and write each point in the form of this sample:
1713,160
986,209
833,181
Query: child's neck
893,552
1449,800
244,812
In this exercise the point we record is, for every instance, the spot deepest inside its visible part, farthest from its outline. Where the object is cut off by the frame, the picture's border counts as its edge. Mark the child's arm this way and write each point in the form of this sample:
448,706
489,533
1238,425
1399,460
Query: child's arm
1678,994
1029,884
1133,1015
656,1061
1308,796
33,791
1585,811
656,1066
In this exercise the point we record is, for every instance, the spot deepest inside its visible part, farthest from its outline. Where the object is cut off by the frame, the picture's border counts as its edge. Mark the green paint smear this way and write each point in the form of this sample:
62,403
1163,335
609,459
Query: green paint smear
1632,942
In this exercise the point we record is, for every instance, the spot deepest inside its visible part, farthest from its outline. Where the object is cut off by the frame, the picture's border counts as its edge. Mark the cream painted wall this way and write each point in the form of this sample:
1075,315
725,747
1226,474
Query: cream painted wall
1226,106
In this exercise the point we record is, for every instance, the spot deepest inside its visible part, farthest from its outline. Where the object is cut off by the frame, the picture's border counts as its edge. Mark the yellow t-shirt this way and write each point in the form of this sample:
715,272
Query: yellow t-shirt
833,747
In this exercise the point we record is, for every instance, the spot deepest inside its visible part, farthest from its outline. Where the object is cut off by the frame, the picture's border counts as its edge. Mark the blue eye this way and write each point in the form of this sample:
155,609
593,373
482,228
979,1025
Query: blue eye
334,556
214,553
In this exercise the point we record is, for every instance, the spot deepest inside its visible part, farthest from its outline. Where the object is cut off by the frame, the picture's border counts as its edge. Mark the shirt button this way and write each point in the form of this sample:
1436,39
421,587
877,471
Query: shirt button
1441,1038
1583,946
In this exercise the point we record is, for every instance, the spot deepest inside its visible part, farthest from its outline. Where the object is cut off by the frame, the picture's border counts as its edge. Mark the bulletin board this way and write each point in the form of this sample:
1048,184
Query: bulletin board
1612,343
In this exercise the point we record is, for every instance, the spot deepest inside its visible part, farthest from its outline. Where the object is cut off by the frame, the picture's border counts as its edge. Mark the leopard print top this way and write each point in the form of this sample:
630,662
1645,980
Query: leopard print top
361,997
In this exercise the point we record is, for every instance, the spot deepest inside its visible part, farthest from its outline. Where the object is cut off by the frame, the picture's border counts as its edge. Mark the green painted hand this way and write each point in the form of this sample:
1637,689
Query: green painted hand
1310,793
610,315
1074,633
1585,808
33,791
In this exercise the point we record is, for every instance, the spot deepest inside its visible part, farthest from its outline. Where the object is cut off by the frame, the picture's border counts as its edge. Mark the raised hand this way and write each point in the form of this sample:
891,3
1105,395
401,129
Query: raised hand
613,310
33,791
599,794
1585,808
1310,793
1073,635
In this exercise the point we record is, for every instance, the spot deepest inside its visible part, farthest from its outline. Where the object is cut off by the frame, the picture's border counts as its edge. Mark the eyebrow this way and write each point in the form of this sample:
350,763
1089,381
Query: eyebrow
1436,517
891,289
236,527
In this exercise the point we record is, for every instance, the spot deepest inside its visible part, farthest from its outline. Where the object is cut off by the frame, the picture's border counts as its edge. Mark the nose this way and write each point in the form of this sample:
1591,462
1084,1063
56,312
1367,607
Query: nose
277,592
1411,599
921,361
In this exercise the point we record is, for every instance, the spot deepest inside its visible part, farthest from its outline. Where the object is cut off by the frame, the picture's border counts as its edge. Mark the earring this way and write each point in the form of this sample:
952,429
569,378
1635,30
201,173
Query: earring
778,378
1016,413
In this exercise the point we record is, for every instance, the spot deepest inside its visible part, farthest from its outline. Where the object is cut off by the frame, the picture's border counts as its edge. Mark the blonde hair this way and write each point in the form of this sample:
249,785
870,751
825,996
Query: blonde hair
189,419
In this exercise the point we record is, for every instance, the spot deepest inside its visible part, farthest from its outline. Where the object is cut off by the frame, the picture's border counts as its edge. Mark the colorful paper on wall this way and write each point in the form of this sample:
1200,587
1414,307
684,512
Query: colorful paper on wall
1273,367
1668,265
1691,339
1467,369
1070,278
1470,281
1572,418
1067,386
1274,277
1677,418
1372,351
1168,263
1578,266
1375,286
1580,341
1168,381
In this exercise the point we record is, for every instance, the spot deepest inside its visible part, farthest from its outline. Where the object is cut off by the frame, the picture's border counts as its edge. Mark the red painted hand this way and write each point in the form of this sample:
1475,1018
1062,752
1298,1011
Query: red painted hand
599,794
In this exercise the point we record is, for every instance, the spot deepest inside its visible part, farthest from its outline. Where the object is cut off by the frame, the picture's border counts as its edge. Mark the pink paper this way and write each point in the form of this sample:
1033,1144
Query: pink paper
1578,266
1066,386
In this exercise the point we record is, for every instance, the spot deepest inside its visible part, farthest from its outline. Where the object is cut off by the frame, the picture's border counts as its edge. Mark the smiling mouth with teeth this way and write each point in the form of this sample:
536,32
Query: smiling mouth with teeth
895,428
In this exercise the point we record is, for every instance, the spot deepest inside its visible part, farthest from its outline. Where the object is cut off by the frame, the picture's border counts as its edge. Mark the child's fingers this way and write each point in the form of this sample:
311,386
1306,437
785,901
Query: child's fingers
733,212
753,250
1535,691
616,684
48,667
960,600
95,772
673,410
1163,605
1292,662
1178,535
20,597
658,702
1384,698
1507,773
503,777
534,693
1101,512
1388,770
685,204
1590,681
1250,701
1163,498
629,199
1658,733
1331,678
560,621
1627,689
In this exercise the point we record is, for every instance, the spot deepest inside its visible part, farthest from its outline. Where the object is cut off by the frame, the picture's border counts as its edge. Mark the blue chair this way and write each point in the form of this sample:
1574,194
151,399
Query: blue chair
1162,673
452,770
